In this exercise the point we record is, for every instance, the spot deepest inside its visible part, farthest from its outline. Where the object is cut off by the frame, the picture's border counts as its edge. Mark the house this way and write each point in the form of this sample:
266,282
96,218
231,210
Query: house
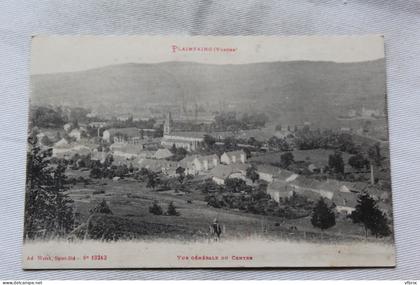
197,164
222,172
163,153
99,156
77,134
148,133
238,156
131,151
282,134
123,118
345,130
342,194
314,168
280,187
146,154
63,143
352,113
158,165
345,202
67,127
123,159
190,141
126,148
278,190
65,149
268,172
370,112
98,124
120,135
130,136
43,139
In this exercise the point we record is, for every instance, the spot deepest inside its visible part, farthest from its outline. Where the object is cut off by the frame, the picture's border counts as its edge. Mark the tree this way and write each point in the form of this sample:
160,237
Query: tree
108,160
171,211
121,170
323,217
47,118
248,153
235,185
209,186
336,163
173,149
102,208
358,161
252,173
179,153
209,141
286,159
368,214
96,172
152,180
230,143
155,209
181,173
48,209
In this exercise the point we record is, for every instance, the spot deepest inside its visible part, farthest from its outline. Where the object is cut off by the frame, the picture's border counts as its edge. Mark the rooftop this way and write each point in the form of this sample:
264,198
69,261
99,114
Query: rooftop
223,171
132,132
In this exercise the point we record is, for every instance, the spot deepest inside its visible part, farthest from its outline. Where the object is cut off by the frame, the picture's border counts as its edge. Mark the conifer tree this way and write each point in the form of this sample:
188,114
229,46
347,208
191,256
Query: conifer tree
323,217
48,209
368,214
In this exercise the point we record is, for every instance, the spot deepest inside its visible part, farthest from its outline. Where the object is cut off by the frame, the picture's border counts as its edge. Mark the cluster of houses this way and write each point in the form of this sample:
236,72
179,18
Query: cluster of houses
141,148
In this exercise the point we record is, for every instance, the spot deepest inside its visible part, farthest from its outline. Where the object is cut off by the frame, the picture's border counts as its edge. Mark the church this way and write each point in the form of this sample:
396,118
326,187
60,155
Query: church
190,141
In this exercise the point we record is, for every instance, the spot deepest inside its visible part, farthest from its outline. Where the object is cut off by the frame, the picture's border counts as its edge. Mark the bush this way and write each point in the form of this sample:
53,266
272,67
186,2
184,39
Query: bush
368,214
213,202
322,216
171,211
101,208
155,209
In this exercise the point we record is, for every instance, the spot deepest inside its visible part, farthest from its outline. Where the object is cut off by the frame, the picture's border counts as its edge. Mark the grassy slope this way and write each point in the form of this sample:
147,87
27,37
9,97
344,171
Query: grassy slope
132,199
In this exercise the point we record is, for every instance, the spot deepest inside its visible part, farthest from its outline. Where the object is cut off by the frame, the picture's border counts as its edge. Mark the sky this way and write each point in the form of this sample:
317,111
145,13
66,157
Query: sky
54,54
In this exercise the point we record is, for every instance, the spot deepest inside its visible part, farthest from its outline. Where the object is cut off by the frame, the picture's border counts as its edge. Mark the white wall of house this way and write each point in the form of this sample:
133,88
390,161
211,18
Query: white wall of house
219,181
106,136
225,159
233,158
268,177
277,194
344,209
76,134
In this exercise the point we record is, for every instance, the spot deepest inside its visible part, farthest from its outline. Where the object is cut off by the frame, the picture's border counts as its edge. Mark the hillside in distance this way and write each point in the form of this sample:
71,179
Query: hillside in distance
294,91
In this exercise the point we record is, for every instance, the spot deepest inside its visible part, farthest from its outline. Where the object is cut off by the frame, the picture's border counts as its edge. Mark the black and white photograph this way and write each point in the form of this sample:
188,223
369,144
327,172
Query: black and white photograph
181,152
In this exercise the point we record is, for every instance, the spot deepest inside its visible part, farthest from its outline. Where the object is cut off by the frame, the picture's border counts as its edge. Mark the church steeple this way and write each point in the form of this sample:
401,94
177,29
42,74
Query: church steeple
167,124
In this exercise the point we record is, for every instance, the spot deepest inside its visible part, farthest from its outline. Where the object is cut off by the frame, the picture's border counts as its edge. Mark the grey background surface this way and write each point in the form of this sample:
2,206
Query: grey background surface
398,21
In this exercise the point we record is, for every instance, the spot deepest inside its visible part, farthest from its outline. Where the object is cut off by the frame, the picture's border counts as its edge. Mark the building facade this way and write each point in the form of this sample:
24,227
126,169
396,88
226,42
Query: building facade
190,141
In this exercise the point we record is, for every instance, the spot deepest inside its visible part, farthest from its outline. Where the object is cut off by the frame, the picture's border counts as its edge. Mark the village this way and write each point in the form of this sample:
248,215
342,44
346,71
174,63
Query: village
225,166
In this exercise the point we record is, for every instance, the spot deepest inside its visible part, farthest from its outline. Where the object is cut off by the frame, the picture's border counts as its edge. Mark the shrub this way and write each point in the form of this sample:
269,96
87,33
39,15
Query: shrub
322,216
155,209
101,208
171,211
368,214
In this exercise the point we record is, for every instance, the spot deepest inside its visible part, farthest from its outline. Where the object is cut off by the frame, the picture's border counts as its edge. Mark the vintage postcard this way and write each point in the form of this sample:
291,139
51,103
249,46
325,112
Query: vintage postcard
182,152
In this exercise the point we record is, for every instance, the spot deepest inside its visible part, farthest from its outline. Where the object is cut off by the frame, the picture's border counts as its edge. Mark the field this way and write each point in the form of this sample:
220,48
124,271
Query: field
131,200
